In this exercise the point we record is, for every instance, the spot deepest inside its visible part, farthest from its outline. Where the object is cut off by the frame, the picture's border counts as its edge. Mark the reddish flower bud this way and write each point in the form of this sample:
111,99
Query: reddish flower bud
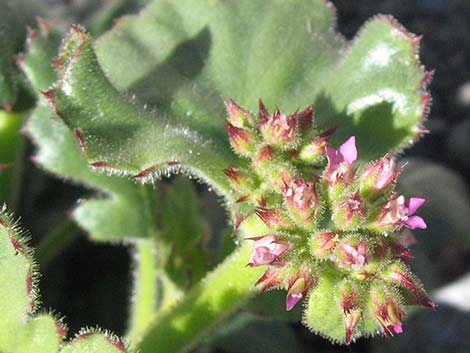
301,200
266,250
377,178
264,155
349,213
387,311
323,244
238,116
273,277
243,142
279,129
351,319
273,218
398,274
239,179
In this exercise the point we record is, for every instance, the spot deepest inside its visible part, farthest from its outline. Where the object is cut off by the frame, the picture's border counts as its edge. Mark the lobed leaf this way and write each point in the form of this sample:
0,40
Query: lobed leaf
20,331
179,58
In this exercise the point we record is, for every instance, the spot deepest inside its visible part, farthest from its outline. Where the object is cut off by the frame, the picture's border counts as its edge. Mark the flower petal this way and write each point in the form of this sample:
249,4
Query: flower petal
349,150
292,299
414,204
416,222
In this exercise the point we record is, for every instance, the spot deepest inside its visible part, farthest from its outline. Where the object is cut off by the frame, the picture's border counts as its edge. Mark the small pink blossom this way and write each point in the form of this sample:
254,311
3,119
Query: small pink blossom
266,250
399,212
340,162
352,209
302,197
298,289
353,255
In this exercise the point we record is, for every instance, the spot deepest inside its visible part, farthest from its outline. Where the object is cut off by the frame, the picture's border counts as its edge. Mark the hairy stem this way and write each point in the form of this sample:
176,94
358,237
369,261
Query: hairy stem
56,241
145,288
180,327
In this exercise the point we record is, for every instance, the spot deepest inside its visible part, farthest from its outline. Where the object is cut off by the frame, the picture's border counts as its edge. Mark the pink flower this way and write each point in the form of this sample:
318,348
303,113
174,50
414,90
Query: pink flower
353,255
266,250
399,212
298,289
340,162
302,198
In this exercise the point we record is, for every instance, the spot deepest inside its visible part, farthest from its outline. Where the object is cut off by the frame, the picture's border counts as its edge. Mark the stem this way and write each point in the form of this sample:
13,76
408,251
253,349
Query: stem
11,153
145,288
56,241
228,287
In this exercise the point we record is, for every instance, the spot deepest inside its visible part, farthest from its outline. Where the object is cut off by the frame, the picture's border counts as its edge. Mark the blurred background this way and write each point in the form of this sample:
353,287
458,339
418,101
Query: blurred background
88,283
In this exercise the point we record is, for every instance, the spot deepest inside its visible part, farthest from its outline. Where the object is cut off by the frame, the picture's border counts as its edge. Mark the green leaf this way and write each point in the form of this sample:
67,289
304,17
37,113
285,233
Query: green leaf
90,342
15,17
181,57
20,331
185,234
122,212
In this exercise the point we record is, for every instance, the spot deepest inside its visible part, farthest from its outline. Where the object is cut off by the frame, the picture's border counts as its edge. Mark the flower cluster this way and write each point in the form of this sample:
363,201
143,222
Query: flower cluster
328,218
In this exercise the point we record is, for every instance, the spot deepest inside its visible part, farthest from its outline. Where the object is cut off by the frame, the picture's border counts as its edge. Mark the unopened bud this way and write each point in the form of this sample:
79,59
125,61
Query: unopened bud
323,244
238,116
301,201
242,140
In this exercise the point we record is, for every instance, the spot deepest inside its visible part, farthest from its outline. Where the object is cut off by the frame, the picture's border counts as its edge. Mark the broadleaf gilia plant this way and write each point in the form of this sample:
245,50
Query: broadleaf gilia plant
316,196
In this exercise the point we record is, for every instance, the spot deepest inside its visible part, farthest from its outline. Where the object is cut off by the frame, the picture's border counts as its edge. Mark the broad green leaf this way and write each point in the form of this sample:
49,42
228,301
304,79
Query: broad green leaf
19,333
185,233
179,58
15,15
89,342
122,211
20,330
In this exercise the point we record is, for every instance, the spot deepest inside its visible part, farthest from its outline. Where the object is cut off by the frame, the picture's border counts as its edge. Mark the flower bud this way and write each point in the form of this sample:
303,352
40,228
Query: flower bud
238,116
352,253
298,289
301,201
279,129
273,218
266,250
240,181
386,310
243,141
349,214
398,273
273,277
323,244
377,178
349,301
313,151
